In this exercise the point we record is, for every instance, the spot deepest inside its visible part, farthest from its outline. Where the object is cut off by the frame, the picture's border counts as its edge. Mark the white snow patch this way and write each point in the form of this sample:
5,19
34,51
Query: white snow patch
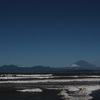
74,65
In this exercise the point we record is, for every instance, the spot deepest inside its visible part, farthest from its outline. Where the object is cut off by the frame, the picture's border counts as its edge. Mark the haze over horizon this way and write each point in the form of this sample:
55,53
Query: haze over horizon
50,33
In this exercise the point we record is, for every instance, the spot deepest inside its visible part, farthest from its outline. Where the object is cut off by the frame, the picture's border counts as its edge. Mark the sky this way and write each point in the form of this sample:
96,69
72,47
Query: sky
49,32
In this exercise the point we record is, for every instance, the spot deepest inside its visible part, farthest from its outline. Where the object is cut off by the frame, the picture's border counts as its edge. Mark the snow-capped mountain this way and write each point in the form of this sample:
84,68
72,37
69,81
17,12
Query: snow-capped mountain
82,64
79,65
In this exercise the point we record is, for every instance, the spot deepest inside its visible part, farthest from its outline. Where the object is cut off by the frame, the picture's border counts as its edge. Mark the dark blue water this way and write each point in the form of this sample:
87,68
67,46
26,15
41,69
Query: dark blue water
50,90
50,95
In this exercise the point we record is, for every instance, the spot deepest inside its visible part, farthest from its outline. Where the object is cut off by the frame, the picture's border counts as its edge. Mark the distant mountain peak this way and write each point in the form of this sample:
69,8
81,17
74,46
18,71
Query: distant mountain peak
84,64
80,62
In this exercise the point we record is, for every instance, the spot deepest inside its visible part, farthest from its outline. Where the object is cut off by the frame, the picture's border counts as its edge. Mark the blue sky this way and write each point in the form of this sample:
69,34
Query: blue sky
50,33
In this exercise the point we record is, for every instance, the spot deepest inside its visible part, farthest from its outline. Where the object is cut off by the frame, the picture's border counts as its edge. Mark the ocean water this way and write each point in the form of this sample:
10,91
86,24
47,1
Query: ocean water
49,87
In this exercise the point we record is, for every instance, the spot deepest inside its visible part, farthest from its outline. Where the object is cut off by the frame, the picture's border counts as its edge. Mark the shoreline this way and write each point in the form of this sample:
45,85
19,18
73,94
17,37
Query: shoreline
95,94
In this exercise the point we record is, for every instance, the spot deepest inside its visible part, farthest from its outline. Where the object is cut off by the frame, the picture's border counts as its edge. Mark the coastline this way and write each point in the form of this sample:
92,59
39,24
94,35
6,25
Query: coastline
96,95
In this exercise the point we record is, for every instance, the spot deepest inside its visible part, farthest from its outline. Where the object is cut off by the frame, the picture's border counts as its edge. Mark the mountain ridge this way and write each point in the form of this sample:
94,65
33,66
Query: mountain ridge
79,65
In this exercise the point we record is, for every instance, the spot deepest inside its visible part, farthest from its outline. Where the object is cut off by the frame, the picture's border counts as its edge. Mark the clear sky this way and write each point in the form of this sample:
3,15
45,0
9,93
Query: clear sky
50,33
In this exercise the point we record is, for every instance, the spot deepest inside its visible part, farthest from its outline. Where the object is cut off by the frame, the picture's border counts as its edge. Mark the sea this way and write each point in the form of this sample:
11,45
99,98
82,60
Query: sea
49,87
